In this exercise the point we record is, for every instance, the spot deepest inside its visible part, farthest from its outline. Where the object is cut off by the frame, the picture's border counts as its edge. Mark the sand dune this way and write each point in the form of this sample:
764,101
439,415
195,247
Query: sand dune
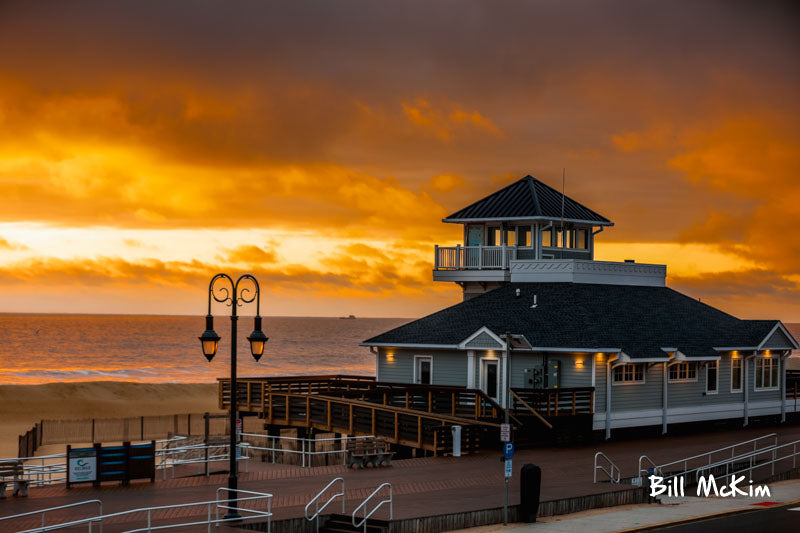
21,406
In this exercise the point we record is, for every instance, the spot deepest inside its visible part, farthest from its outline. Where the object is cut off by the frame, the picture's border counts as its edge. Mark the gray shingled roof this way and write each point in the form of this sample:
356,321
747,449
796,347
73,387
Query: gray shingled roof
527,198
636,319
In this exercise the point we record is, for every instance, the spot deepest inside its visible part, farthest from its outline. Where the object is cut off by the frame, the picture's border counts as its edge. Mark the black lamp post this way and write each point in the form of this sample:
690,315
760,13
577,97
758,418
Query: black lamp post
234,296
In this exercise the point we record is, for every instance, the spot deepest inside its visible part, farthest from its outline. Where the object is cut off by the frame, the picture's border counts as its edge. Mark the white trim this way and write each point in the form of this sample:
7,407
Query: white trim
678,356
788,335
716,389
755,369
482,376
417,358
686,379
471,369
504,361
410,345
532,219
676,415
740,390
616,383
734,348
593,369
463,344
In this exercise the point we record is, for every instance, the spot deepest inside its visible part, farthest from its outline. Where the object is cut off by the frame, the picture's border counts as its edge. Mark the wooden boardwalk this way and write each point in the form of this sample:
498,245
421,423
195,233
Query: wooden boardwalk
422,487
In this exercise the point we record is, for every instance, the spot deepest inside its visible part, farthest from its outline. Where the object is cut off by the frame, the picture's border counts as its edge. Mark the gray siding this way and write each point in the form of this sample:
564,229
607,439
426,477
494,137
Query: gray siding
778,340
449,367
484,341
571,374
644,396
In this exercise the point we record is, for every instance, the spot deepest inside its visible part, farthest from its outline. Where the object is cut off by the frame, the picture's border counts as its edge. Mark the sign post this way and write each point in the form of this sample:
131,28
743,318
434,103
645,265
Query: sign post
508,453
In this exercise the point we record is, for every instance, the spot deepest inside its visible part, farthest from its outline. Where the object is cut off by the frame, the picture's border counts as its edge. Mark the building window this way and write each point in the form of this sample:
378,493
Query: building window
736,375
683,372
629,373
712,377
766,373
583,240
547,237
493,236
523,236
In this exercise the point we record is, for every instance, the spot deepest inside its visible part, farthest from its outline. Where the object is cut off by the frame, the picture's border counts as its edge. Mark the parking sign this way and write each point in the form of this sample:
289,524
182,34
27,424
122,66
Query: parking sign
508,450
508,468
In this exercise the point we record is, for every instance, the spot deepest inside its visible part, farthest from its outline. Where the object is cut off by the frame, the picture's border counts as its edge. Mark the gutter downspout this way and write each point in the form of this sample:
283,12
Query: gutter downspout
664,401
608,394
747,387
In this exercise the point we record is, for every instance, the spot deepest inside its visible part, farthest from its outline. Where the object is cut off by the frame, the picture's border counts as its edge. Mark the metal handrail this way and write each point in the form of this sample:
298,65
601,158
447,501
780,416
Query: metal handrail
43,511
315,501
150,527
304,445
750,457
640,470
732,448
610,473
368,498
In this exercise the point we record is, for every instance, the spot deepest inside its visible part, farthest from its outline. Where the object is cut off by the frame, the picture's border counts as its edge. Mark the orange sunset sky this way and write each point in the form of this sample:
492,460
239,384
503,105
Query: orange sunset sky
146,145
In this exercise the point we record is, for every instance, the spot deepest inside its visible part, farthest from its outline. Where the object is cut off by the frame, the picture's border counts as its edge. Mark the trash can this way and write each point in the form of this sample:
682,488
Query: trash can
530,484
456,430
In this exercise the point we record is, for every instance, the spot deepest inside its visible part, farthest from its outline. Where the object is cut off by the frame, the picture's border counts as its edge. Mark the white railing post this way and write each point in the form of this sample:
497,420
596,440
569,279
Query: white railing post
503,256
480,257
458,257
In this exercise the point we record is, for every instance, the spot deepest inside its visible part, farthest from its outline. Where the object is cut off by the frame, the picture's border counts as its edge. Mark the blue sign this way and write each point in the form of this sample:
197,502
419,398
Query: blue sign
508,450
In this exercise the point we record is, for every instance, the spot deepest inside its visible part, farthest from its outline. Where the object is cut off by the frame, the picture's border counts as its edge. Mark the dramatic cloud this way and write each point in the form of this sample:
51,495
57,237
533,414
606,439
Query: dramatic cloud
359,123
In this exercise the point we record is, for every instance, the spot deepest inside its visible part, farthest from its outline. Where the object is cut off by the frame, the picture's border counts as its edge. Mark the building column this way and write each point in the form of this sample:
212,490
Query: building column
664,400
747,388
471,369
609,360
782,370
503,378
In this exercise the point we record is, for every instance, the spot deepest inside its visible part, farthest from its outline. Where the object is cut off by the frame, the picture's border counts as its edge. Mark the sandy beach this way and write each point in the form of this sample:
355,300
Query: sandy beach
21,406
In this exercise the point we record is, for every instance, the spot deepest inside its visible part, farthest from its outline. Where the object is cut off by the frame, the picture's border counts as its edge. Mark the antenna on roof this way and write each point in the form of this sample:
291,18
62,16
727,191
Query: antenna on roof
563,187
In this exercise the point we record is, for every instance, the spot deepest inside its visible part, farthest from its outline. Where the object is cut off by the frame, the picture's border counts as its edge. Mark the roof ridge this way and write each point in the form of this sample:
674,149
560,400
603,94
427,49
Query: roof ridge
532,186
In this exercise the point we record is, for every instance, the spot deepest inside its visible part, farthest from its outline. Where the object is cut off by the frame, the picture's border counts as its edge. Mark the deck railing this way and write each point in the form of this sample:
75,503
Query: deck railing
439,399
554,402
479,257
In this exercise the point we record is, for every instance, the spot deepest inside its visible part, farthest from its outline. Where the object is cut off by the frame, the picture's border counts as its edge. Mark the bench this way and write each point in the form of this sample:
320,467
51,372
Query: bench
369,451
13,471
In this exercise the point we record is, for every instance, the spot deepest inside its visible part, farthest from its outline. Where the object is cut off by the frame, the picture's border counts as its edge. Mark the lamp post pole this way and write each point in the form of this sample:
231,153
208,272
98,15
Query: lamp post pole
230,293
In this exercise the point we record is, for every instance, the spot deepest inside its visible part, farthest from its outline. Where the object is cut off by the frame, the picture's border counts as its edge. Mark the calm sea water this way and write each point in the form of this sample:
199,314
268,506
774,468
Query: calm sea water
49,348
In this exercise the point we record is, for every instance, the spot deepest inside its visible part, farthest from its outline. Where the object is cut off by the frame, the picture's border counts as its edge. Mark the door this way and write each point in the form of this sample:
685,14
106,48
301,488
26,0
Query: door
474,238
423,370
489,378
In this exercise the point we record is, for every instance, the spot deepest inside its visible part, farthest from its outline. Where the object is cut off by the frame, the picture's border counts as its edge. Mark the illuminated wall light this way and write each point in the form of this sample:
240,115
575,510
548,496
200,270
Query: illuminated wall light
390,357
579,363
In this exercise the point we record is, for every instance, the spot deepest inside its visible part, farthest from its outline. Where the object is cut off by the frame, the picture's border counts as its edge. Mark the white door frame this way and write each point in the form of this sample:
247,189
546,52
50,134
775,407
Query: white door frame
482,378
416,363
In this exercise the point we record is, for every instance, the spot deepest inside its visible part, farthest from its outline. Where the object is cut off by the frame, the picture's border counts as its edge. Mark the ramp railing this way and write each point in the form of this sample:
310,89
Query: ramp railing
608,468
367,514
768,457
316,500
44,512
689,464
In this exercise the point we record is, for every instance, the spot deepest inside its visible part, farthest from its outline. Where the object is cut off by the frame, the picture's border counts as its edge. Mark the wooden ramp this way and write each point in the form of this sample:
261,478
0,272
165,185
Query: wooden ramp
418,416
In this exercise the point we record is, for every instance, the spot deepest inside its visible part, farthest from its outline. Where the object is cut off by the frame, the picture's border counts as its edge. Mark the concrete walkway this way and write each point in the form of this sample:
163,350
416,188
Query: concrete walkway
634,517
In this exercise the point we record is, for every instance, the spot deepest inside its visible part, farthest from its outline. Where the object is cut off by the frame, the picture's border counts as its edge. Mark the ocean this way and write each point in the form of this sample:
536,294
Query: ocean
161,349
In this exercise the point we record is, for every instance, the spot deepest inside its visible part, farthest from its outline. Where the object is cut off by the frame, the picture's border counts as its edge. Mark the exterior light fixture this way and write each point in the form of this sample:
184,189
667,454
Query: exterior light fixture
209,340
257,339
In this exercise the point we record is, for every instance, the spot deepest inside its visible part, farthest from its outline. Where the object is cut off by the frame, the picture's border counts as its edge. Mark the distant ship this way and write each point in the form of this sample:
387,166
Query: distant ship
348,317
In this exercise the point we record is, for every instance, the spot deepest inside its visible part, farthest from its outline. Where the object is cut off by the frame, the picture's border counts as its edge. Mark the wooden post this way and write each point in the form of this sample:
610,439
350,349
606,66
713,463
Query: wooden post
453,403
396,428
249,398
477,407
573,402
430,401
269,407
548,404
351,418
141,427
384,398
263,399
556,409
406,399
373,421
435,447
329,415
419,431
308,411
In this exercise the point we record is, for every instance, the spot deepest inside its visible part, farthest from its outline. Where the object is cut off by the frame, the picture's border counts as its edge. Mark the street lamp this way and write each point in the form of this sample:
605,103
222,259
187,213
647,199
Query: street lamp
230,293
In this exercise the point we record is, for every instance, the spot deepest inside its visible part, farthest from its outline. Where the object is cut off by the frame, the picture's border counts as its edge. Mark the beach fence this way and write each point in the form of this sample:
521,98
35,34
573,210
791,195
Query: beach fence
138,428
